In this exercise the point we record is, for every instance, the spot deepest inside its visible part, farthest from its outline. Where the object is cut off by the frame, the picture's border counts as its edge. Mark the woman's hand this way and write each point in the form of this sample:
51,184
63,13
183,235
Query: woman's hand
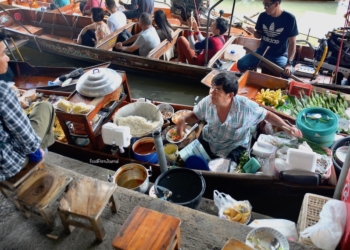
194,24
293,131
181,126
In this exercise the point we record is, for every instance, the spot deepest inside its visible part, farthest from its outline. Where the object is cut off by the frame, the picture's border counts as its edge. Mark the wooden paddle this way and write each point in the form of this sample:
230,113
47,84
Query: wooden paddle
276,67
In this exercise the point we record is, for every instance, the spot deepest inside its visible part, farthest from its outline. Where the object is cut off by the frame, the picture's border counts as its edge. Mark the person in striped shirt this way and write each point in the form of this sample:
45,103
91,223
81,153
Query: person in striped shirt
228,118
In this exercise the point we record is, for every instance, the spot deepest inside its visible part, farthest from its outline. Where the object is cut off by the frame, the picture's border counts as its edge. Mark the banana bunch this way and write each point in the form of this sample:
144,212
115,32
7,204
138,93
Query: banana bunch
270,97
238,213
58,131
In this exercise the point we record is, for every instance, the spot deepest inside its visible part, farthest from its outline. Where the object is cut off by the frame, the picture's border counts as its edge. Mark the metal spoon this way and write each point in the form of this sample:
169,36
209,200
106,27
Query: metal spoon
275,244
151,119
166,192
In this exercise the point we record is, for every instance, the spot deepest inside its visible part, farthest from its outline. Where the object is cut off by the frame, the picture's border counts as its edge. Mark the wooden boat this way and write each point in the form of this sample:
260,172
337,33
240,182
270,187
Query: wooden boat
267,194
54,33
28,76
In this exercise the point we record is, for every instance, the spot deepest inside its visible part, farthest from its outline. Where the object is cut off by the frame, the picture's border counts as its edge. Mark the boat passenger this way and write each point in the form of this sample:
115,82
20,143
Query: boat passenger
91,34
143,42
137,7
89,4
228,118
21,135
164,31
117,19
278,30
187,48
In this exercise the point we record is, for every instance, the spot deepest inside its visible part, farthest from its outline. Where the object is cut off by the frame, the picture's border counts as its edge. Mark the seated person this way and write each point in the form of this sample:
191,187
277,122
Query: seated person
164,31
278,30
186,48
137,7
117,19
89,4
21,136
144,41
91,34
229,118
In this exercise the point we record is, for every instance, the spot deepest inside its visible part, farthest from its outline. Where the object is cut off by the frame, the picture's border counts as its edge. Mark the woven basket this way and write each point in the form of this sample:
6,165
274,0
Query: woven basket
310,214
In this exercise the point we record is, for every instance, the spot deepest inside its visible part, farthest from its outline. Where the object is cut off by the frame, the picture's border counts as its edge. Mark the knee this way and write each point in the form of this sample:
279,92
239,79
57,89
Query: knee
181,41
44,107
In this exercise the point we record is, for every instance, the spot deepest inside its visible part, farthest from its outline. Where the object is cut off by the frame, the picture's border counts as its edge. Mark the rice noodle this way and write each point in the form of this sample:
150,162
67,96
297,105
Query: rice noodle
138,125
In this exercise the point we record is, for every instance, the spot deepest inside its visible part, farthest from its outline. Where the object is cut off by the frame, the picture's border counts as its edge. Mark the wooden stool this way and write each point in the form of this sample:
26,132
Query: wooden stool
148,230
9,186
87,199
37,194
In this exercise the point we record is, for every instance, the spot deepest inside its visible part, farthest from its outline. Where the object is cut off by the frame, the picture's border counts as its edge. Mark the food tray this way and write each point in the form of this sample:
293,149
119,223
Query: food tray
310,214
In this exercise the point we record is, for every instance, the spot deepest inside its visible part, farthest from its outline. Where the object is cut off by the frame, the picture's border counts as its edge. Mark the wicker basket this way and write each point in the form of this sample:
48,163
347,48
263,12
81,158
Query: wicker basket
310,214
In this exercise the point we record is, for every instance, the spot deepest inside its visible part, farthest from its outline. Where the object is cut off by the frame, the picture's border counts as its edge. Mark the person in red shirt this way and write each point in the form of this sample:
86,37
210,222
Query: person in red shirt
194,52
87,5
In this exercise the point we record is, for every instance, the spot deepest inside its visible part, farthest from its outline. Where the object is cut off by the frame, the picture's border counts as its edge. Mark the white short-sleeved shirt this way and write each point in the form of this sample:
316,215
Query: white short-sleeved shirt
116,21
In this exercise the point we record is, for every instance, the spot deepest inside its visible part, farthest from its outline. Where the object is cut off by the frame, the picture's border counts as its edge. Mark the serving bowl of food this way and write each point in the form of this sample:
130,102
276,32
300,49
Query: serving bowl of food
172,136
266,238
166,110
177,115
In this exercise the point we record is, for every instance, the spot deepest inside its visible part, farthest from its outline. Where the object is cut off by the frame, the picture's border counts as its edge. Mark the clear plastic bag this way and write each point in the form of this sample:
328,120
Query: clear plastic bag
232,210
327,232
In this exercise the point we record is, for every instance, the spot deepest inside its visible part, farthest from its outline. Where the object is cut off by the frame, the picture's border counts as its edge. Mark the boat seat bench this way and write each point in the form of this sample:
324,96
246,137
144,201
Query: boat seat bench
34,30
109,41
164,46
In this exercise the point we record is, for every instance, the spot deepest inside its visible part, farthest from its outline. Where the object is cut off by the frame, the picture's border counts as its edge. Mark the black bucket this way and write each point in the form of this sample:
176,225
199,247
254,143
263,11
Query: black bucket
186,185
337,144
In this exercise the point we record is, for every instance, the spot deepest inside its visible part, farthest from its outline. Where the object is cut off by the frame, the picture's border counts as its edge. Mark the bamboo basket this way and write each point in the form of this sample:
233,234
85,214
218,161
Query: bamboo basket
310,214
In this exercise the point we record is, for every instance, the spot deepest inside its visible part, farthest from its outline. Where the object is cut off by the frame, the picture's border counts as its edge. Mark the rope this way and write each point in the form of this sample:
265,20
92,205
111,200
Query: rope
19,53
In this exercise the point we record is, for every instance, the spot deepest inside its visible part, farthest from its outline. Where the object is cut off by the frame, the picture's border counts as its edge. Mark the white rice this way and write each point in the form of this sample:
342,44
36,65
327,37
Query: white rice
138,125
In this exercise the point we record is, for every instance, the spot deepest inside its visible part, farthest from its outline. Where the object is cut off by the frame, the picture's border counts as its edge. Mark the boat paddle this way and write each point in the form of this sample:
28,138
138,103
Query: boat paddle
268,62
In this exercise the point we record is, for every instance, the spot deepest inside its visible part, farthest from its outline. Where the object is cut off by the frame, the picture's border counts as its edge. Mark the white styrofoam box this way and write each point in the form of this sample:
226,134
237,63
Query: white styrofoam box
263,149
301,160
111,132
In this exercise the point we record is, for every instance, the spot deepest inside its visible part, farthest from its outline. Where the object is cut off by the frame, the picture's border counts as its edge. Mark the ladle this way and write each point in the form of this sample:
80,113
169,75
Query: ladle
166,192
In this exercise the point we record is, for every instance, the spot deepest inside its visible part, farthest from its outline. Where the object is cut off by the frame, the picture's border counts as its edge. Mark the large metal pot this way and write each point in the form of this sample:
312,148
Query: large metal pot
98,82
133,176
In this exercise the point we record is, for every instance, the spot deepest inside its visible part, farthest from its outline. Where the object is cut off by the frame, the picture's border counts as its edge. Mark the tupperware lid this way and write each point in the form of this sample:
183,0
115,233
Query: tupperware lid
319,121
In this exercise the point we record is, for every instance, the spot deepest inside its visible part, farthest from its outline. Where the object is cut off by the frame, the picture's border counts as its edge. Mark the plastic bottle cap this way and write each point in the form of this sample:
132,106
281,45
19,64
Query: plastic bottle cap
232,51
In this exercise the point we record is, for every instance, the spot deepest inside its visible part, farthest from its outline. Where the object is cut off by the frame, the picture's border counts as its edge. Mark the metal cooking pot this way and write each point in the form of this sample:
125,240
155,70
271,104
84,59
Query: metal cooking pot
133,176
98,82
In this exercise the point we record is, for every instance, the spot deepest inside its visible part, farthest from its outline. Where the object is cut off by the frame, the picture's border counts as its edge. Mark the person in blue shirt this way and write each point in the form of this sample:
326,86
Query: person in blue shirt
61,3
21,136
278,30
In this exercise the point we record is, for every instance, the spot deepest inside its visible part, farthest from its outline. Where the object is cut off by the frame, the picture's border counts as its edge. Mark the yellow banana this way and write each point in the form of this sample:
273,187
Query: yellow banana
237,217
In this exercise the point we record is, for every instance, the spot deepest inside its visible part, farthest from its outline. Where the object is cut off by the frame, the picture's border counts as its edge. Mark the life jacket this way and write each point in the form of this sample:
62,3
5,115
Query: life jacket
217,43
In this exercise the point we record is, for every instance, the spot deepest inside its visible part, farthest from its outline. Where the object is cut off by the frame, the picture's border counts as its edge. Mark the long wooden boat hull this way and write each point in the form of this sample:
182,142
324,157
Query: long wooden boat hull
267,194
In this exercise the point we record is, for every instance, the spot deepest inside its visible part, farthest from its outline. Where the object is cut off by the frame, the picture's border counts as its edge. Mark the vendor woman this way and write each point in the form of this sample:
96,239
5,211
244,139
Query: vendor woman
229,118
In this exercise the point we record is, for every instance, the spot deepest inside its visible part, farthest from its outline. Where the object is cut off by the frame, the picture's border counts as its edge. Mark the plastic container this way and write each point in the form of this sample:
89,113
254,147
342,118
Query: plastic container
301,160
320,132
234,52
263,149
339,143
296,87
186,185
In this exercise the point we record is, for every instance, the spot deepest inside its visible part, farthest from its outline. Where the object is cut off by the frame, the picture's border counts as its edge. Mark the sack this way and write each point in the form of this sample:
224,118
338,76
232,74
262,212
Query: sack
123,36
232,210
327,233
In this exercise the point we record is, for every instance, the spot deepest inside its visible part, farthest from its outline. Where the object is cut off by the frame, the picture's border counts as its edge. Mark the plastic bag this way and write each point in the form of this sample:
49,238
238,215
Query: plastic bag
327,233
232,210
285,227
269,167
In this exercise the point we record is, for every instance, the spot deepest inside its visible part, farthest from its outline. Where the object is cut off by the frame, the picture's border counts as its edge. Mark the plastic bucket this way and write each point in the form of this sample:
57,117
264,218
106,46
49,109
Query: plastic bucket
321,131
234,52
186,185
144,150
337,144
